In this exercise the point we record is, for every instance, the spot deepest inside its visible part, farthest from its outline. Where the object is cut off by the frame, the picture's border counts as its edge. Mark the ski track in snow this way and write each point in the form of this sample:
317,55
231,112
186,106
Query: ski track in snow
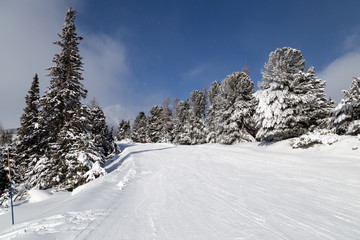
246,191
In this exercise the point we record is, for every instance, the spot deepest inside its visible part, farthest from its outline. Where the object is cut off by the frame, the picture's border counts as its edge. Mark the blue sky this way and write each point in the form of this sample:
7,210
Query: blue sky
137,53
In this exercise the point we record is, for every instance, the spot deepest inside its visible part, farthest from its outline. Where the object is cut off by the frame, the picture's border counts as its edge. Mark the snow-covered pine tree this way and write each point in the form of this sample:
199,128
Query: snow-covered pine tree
167,131
182,127
237,106
314,104
156,124
139,128
347,112
289,97
72,156
27,146
62,99
213,112
124,130
100,131
197,102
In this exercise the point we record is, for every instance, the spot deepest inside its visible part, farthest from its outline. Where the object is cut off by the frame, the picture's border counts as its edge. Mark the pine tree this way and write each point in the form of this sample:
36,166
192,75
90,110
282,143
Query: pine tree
196,118
139,128
73,148
28,147
347,112
290,98
237,106
156,124
182,127
168,122
213,120
100,130
124,130
62,100
314,104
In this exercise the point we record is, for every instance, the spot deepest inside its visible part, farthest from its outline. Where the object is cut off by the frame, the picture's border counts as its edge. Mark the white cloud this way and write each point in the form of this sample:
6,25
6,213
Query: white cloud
339,74
105,67
28,29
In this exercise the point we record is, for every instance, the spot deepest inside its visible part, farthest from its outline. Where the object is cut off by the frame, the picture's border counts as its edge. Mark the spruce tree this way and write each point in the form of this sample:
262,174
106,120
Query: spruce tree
63,98
73,147
28,147
139,129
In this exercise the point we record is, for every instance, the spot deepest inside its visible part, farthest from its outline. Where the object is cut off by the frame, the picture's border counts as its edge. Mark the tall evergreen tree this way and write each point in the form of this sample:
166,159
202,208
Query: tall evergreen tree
236,106
28,147
156,124
182,127
196,118
73,149
168,128
62,100
214,111
139,129
347,112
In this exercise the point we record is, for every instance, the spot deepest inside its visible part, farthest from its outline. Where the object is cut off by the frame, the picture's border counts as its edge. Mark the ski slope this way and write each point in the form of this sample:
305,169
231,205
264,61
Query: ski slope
211,191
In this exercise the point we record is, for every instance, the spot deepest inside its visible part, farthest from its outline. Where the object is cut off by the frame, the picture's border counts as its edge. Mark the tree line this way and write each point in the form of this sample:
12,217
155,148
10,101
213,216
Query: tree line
291,101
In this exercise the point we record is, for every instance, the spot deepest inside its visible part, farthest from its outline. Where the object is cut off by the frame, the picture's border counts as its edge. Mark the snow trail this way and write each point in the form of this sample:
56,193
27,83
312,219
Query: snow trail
245,191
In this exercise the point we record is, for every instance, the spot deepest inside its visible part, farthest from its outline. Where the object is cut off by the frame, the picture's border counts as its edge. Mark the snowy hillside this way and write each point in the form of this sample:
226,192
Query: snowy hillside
211,191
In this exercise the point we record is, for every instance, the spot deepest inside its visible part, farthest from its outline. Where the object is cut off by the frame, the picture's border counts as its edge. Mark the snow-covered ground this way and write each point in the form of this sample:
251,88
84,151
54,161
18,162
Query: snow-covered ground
211,191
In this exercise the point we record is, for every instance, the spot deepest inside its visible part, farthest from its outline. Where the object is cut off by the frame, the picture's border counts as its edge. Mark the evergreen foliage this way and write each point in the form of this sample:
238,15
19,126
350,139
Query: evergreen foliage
196,118
4,179
124,130
182,128
213,120
290,98
139,128
156,124
4,174
237,106
28,147
74,137
168,122
347,112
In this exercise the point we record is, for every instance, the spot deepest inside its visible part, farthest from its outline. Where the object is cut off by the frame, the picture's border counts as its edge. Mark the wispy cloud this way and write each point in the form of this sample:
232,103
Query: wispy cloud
195,72
338,74
27,48
105,67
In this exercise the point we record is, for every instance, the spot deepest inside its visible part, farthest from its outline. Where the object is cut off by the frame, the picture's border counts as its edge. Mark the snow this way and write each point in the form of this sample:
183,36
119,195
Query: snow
38,195
210,191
